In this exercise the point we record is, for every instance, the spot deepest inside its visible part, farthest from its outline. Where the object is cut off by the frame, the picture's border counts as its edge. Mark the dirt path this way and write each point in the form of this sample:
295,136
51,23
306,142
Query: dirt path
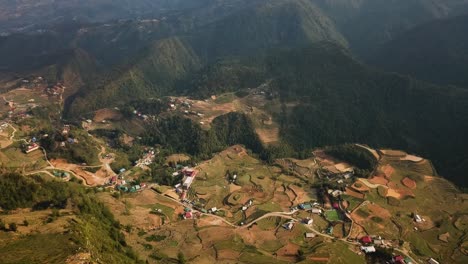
373,151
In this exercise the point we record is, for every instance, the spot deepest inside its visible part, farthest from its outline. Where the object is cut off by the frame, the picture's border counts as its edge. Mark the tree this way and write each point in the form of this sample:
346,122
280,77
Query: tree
181,258
13,227
300,255
25,222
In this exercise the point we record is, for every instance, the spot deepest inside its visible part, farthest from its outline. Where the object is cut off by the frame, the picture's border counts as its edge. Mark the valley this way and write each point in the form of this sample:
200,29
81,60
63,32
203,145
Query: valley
233,131
239,208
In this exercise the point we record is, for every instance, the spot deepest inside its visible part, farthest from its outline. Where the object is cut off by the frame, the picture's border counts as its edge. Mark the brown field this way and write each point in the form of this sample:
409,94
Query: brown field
289,251
409,183
228,254
360,186
388,170
210,235
412,158
177,158
268,135
378,210
379,179
90,179
343,167
353,193
393,193
393,153
107,114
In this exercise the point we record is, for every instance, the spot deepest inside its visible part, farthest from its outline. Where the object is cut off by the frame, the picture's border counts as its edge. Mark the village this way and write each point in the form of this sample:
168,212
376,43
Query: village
242,194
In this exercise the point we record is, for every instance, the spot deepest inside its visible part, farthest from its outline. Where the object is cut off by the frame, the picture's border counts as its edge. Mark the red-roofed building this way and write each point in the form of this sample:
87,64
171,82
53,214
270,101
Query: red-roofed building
366,240
188,215
398,259
190,173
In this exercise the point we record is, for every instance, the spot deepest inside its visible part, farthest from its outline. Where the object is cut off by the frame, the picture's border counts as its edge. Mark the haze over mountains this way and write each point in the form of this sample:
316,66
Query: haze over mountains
311,50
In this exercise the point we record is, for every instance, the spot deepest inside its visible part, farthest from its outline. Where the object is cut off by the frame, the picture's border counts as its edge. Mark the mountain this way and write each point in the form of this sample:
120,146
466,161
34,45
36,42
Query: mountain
368,24
265,25
155,70
27,15
436,52
342,100
152,73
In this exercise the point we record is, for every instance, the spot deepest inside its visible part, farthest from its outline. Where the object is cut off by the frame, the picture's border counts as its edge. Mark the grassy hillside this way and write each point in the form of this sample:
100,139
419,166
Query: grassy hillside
436,51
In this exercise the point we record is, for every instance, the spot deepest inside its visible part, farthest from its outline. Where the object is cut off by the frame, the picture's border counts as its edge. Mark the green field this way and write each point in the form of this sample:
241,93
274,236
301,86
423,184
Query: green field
332,215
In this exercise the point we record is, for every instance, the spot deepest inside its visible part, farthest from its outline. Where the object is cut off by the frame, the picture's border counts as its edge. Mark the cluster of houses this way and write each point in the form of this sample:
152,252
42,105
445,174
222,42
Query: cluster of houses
147,159
124,186
369,244
311,207
174,102
55,90
189,175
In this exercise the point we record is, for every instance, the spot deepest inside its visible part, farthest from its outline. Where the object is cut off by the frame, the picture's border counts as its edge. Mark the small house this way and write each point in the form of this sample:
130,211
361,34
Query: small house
32,147
399,259
379,242
432,261
366,239
417,218
369,249
288,225
316,211
188,215
307,221
310,235
305,206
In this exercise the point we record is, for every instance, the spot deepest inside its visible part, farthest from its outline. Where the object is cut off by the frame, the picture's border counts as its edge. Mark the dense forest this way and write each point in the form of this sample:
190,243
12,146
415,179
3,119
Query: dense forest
364,161
179,134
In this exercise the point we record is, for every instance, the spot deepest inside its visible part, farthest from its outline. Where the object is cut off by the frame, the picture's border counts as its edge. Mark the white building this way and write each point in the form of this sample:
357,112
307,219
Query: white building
369,249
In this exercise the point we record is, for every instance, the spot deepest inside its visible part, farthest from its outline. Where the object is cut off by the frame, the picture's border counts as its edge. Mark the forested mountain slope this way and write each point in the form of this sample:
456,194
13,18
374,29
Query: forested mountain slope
367,24
436,51
345,101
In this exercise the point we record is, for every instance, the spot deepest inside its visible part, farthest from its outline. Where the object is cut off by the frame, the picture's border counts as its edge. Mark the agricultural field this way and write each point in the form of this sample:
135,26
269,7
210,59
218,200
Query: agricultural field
269,189
403,187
